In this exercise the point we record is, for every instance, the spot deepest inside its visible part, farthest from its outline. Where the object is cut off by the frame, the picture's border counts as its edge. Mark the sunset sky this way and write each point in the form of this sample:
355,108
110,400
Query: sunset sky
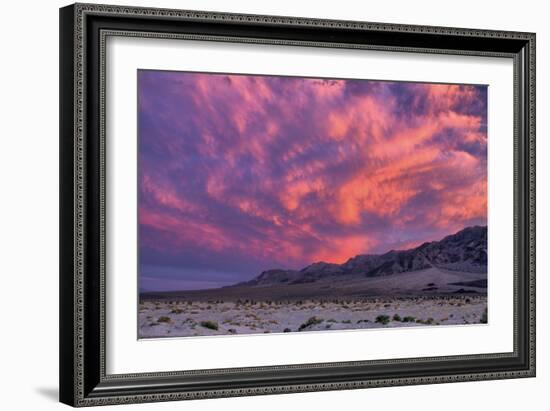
242,173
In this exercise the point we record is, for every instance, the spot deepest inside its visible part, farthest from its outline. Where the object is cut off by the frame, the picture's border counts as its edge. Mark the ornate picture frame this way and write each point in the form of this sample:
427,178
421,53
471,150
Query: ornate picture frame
84,30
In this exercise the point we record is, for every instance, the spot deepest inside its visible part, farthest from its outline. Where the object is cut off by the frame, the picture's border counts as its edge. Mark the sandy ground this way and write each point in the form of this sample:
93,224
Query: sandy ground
432,281
198,318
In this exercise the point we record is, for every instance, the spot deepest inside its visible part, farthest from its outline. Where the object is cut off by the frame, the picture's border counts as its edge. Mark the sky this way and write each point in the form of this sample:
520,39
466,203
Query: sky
243,173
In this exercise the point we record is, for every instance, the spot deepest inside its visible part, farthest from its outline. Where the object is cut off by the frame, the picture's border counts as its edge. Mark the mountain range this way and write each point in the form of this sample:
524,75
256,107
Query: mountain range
464,251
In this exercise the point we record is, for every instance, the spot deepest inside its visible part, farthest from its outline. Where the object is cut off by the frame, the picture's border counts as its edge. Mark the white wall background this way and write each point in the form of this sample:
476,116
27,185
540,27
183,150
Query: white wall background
29,204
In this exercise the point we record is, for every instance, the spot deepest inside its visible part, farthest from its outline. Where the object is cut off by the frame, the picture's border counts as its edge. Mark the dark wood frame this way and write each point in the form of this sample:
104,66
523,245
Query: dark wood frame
83,30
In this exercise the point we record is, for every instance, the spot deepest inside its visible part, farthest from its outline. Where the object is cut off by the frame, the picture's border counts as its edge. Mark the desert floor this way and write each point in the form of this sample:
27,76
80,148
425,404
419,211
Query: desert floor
180,318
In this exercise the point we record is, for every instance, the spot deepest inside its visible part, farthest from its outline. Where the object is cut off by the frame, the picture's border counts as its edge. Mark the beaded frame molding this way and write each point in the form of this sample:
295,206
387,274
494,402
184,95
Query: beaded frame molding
83,32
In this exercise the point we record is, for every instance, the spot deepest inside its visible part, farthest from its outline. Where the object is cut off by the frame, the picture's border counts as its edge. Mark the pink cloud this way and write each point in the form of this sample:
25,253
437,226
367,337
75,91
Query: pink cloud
298,170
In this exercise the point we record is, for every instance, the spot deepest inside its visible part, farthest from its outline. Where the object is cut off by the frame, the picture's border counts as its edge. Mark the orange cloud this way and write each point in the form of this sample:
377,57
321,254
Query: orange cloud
291,170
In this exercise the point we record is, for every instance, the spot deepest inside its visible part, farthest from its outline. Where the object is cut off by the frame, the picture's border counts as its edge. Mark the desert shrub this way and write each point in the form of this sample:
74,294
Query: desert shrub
429,321
311,321
176,311
346,321
396,317
287,330
383,319
212,325
332,320
164,319
409,319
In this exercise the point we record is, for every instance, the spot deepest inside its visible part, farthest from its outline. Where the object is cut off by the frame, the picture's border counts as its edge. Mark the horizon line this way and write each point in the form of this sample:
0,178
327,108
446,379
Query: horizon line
140,291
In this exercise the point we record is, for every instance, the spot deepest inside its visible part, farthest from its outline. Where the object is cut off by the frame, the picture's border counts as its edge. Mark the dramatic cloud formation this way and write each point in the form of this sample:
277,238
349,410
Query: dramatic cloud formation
240,173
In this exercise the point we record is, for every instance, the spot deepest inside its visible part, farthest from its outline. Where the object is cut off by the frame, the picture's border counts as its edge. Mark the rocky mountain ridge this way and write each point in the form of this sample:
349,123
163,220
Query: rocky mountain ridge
464,251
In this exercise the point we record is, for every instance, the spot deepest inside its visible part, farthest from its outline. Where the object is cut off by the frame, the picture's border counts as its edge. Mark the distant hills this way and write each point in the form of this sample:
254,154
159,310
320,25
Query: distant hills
455,265
465,251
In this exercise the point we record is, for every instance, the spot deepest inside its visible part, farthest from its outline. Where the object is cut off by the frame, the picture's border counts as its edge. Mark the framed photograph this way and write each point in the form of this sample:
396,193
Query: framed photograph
261,204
